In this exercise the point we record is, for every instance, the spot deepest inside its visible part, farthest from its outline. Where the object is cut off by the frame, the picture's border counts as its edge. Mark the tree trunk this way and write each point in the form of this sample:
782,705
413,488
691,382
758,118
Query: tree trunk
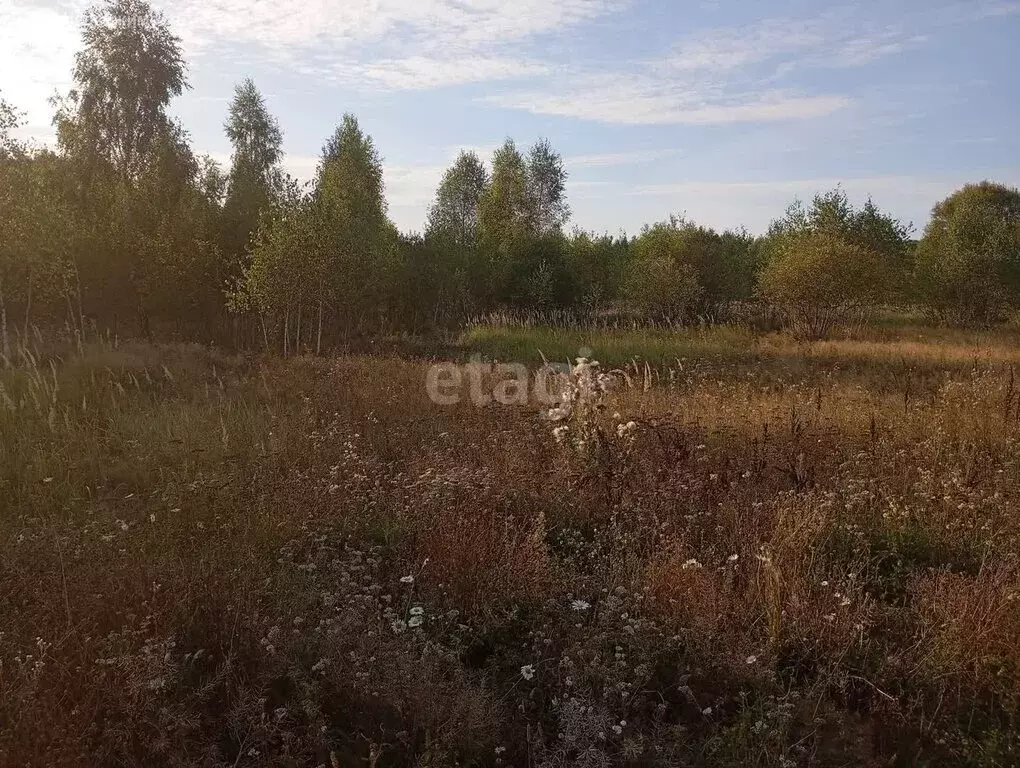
286,332
5,341
318,336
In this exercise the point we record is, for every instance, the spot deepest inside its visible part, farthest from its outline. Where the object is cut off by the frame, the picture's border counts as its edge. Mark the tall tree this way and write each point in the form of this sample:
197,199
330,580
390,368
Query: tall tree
968,262
452,240
130,68
354,238
114,129
454,214
254,178
546,185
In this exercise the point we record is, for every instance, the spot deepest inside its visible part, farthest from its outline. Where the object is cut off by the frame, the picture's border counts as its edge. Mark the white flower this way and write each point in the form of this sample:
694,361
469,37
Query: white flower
751,659
560,433
580,605
706,711
689,564
617,730
415,621
559,413
417,611
622,430
528,671
407,579
733,558
398,626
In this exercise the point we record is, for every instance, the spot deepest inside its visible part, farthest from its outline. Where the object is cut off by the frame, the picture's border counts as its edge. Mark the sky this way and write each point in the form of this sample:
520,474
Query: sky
722,110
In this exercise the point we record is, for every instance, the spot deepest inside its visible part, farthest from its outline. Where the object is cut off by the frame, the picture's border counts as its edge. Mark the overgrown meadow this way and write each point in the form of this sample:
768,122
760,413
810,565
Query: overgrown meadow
770,553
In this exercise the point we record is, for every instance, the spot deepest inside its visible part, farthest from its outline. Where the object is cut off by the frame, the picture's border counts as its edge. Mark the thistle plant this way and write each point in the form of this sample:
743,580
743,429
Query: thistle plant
579,405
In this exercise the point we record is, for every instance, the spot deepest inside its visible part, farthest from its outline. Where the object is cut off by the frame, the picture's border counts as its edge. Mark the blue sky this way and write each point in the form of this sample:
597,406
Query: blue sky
722,109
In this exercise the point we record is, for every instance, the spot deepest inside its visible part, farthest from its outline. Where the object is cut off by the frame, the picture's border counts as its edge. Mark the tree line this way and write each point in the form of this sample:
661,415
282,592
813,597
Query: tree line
121,227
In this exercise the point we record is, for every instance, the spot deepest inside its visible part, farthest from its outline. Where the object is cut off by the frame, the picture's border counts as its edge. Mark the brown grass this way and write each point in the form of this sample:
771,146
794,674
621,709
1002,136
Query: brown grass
805,556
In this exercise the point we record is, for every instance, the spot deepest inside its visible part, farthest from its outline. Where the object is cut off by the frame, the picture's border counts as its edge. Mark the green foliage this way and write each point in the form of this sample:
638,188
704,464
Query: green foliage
129,69
822,280
832,213
678,268
968,263
254,179
126,230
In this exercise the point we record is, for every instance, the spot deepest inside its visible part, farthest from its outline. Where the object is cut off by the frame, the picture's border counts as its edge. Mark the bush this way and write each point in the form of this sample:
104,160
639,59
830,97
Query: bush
968,263
822,281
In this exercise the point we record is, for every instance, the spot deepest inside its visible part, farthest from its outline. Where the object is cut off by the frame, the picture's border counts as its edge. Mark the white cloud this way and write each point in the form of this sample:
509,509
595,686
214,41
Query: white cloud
37,47
649,99
619,158
388,44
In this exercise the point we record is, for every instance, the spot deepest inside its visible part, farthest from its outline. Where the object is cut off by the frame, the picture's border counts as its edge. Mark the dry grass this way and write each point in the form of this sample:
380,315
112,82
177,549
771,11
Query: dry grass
800,556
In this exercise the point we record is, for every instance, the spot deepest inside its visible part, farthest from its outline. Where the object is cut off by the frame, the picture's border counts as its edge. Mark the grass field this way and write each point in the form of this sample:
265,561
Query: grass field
797,555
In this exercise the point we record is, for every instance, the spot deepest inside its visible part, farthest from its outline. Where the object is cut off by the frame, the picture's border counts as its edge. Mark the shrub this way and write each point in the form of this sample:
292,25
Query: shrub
968,263
822,281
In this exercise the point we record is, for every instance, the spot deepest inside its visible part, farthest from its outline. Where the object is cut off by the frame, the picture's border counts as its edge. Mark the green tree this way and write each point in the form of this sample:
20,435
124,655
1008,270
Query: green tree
832,213
114,130
254,178
35,227
596,266
721,266
821,280
278,281
968,262
454,215
546,181
520,216
354,240
130,68
453,241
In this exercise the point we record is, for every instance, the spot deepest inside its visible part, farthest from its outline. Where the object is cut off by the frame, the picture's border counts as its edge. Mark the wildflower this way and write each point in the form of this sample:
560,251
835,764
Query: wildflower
617,730
407,579
559,413
733,558
689,564
751,659
528,671
622,430
415,621
560,433
398,626
500,750
417,611
47,480
706,711
580,605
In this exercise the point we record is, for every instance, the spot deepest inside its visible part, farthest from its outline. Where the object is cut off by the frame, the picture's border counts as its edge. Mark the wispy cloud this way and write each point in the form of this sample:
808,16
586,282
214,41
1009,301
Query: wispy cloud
638,157
389,44
646,99
725,75
37,47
